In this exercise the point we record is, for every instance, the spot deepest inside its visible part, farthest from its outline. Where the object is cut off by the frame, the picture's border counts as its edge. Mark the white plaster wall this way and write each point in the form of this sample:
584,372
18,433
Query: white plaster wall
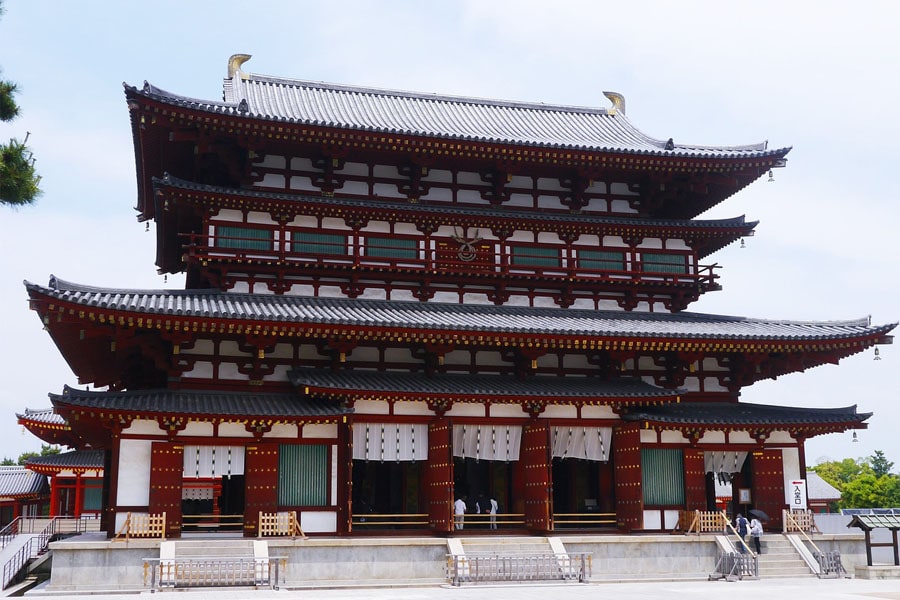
302,184
260,218
672,437
272,161
740,437
198,429
469,178
370,407
359,188
320,430
230,348
354,168
385,190
235,430
134,473
376,227
523,200
439,176
677,245
648,436
411,408
143,427
507,411
318,521
230,371
438,194
202,370
713,437
711,384
283,430
231,215
472,298
598,412
556,411
200,347
781,437
465,409
271,180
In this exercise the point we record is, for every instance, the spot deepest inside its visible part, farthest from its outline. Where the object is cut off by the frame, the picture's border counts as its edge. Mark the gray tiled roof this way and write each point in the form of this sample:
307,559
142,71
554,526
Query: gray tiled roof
432,115
77,459
450,318
480,212
20,482
870,522
477,385
44,415
209,403
743,413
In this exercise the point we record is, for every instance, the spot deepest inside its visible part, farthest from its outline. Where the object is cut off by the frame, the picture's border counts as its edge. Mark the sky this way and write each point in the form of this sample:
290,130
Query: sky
817,77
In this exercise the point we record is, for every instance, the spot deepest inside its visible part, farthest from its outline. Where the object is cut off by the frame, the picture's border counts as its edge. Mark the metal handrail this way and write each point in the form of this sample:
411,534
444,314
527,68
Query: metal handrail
519,566
213,571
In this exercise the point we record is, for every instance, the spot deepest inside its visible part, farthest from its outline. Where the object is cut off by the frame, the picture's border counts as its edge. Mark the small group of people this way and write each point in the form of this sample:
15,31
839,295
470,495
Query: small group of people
753,527
483,505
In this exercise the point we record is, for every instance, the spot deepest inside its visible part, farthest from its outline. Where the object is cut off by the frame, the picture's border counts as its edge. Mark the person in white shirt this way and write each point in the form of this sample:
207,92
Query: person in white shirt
495,506
459,511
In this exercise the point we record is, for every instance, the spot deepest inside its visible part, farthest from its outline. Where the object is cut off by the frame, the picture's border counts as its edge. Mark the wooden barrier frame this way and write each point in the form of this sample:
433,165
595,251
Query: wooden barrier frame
701,521
281,524
142,525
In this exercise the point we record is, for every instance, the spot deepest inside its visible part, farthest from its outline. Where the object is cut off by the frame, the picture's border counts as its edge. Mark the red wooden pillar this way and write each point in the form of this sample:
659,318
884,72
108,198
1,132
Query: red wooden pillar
260,484
54,495
439,475
79,495
629,491
166,475
536,474
694,480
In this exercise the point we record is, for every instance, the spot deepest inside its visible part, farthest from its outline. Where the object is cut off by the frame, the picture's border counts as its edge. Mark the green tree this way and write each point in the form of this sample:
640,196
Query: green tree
46,450
19,182
7,462
880,464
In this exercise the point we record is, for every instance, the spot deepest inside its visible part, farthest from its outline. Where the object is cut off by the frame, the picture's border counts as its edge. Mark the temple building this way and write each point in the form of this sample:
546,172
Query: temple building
396,300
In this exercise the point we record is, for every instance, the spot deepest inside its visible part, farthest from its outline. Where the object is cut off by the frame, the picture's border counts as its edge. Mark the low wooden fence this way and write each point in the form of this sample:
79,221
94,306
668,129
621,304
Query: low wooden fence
280,524
701,521
142,525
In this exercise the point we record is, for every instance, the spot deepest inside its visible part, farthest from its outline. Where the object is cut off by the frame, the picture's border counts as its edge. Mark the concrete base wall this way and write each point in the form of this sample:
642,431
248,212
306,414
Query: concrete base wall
91,562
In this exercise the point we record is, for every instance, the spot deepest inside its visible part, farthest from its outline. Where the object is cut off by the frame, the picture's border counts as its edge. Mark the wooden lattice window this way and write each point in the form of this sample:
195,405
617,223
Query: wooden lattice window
601,260
314,242
303,476
243,238
654,262
662,476
533,256
392,247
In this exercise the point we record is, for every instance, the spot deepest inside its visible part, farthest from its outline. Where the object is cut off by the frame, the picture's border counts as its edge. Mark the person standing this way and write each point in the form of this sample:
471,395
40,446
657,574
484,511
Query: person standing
756,530
459,512
494,509
740,525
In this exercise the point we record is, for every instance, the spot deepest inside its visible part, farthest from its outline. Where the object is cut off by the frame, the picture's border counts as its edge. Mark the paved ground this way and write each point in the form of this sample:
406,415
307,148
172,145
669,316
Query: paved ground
771,589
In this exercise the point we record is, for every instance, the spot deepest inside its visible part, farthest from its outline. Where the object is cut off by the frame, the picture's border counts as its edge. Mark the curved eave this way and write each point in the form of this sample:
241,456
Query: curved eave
277,316
225,119
760,420
707,236
447,389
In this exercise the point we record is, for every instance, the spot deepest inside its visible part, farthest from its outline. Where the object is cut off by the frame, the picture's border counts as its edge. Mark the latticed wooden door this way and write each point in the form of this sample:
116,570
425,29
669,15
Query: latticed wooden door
694,480
439,476
166,474
536,475
261,484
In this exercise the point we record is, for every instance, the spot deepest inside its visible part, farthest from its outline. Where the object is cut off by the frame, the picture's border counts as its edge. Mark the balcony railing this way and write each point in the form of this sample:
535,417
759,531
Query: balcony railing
510,261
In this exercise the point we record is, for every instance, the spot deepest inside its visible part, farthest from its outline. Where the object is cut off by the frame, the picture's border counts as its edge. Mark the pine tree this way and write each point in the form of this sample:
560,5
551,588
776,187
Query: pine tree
18,179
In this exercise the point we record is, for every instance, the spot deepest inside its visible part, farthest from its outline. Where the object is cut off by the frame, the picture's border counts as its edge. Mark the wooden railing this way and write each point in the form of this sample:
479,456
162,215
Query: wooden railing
378,520
798,520
280,524
212,522
142,525
589,519
701,521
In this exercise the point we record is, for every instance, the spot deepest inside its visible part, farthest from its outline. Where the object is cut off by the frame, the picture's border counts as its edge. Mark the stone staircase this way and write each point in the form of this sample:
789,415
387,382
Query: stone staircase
779,558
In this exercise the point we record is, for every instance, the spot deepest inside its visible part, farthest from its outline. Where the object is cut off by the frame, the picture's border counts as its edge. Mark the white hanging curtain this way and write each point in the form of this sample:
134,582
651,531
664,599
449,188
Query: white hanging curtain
487,442
723,462
213,461
394,442
589,443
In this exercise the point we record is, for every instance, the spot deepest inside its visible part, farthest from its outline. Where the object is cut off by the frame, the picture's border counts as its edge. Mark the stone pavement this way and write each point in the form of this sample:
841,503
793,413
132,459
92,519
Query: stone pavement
762,589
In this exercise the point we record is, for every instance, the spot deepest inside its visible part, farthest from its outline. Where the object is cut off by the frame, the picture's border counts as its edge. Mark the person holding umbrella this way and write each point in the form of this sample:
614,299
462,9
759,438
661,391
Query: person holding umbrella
756,527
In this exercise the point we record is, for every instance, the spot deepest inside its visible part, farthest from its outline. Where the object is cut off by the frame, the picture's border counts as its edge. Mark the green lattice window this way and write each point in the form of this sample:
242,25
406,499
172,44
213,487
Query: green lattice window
533,256
662,476
303,475
93,494
664,263
313,242
601,260
391,247
243,238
